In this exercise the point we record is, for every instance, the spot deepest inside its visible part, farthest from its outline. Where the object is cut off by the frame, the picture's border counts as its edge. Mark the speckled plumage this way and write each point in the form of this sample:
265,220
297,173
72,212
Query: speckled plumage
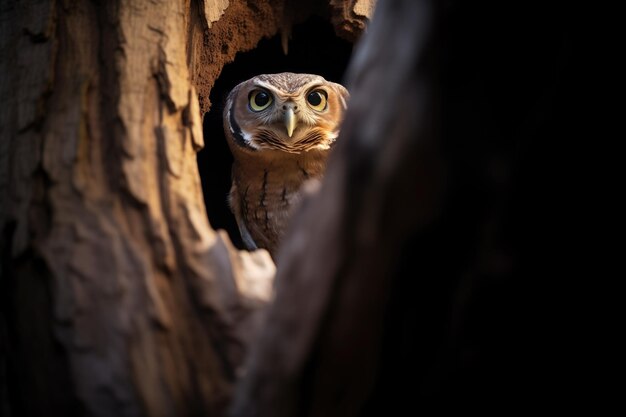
277,147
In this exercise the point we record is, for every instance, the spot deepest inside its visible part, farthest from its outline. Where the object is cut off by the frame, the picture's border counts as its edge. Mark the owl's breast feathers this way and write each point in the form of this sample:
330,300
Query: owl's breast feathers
264,193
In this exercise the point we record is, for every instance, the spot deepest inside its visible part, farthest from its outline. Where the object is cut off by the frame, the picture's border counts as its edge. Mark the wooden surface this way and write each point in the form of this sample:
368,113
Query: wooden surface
118,298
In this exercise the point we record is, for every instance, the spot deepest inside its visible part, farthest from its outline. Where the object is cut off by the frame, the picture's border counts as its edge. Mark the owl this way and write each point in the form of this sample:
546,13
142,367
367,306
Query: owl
280,129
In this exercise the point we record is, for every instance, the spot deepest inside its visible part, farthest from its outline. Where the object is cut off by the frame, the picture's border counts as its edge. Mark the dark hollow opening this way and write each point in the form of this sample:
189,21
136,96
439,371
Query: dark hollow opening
313,48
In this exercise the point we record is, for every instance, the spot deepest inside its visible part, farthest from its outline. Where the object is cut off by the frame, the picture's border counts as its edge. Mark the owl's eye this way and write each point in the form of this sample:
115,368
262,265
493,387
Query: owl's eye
259,100
317,100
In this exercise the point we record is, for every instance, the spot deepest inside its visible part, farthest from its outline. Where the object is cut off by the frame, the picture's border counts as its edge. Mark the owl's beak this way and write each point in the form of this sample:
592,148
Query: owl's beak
290,121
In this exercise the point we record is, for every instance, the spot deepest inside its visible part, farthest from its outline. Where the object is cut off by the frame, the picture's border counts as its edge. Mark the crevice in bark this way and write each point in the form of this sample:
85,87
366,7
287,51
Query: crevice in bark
314,48
106,83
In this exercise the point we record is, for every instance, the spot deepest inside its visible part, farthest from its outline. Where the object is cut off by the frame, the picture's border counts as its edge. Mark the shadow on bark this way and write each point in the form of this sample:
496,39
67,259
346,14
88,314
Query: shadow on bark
419,278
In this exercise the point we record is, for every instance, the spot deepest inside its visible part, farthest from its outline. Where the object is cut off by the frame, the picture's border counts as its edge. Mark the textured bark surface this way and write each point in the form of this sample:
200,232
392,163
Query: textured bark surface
118,299
102,134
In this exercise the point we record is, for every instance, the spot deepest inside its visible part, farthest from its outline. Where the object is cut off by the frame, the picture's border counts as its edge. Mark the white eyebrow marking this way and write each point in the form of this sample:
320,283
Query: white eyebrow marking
304,87
265,85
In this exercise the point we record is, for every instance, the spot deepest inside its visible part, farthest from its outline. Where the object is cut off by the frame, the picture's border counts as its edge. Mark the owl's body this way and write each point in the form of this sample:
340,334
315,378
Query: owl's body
280,129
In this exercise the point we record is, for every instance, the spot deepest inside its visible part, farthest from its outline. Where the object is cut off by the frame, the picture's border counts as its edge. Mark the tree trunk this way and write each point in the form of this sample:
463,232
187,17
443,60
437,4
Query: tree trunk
118,298
416,279
419,278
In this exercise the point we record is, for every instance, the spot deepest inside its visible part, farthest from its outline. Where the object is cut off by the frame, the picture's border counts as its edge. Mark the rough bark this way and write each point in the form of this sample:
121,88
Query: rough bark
142,295
118,299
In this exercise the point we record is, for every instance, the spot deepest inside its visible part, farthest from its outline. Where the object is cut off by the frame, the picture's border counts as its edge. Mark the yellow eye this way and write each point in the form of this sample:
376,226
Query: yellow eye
317,99
259,100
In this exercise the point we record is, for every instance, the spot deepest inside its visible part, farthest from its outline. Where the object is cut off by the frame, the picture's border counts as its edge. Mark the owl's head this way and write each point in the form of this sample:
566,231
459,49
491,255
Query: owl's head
286,112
